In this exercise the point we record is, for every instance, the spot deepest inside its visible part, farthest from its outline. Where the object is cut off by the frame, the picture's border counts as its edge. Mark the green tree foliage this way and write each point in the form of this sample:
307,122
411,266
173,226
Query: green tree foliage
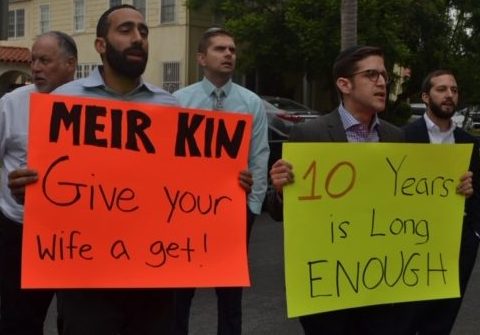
289,35
466,43
282,41
303,36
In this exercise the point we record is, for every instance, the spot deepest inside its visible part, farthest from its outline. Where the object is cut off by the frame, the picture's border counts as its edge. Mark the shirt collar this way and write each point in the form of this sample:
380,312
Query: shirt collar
350,121
95,79
433,128
208,87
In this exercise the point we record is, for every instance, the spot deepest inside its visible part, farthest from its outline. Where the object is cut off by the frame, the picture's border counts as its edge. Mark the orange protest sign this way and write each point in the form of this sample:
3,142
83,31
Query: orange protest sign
134,195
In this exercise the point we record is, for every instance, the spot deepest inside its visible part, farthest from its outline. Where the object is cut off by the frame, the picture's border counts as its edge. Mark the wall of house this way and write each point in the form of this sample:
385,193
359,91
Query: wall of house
170,43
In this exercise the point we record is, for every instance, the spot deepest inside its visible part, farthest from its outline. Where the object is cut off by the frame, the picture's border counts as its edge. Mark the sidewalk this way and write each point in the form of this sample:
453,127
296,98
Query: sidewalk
264,304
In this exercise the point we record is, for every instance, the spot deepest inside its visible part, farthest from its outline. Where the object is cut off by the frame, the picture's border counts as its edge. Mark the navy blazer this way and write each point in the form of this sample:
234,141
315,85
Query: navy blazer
416,132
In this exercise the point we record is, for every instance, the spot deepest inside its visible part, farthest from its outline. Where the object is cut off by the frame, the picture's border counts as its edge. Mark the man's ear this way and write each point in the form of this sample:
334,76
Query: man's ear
100,45
425,98
201,59
344,85
72,63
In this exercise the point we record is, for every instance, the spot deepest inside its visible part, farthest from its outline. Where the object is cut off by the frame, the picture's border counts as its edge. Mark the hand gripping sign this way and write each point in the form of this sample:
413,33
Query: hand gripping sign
374,223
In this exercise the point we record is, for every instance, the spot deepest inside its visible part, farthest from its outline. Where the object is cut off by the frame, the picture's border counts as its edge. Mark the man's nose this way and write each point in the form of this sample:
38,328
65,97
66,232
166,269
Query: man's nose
381,81
137,36
35,65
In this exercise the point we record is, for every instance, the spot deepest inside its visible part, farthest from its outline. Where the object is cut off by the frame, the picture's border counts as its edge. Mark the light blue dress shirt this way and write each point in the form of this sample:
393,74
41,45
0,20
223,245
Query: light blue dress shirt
14,120
238,99
94,86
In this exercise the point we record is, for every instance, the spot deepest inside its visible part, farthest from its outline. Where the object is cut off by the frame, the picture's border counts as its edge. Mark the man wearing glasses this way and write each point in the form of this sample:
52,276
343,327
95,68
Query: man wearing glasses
361,82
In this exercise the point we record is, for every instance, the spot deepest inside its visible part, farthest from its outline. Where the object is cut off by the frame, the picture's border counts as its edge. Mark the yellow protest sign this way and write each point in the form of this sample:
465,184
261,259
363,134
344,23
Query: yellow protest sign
374,223
134,195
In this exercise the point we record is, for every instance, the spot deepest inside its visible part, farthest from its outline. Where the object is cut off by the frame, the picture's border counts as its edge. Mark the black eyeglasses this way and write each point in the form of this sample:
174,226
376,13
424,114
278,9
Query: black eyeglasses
373,75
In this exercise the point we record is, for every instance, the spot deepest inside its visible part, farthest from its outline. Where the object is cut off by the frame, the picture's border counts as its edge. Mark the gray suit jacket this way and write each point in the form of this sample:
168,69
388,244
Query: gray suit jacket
326,128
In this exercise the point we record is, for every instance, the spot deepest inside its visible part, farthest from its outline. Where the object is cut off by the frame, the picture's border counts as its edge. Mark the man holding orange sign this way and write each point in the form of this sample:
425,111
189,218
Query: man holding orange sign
122,42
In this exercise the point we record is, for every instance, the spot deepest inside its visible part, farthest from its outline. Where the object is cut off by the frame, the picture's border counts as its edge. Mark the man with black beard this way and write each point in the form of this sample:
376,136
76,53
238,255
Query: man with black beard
119,61
440,94
122,42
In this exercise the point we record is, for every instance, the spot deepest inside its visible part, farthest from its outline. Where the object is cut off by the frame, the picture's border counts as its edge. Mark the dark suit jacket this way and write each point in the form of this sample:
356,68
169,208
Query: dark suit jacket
326,128
416,132
438,316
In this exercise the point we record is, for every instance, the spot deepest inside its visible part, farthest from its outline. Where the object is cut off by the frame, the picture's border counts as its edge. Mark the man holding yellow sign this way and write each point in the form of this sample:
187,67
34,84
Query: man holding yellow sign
361,79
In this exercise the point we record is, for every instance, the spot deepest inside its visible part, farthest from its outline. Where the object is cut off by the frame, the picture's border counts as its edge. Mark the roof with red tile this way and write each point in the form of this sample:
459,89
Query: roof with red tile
14,55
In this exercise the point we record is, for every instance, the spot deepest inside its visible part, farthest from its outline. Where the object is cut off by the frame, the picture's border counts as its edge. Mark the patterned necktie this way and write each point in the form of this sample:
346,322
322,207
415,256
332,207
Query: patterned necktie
218,96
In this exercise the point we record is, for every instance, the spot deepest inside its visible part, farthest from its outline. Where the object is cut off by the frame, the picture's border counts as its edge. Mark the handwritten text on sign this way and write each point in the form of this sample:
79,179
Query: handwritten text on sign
134,195
372,223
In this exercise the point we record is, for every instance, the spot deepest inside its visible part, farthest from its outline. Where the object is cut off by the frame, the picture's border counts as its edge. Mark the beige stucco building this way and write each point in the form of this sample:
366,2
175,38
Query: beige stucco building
174,33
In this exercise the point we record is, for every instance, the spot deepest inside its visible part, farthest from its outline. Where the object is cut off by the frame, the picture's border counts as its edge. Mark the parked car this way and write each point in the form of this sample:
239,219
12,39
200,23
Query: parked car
417,111
464,118
291,106
470,119
281,121
282,114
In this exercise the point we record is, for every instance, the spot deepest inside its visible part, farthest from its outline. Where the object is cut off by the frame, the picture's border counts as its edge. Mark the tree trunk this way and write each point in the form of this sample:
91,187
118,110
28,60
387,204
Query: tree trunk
349,24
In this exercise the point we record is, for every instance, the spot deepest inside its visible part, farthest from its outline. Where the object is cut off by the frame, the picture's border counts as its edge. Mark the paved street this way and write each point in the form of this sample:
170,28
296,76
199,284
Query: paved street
264,303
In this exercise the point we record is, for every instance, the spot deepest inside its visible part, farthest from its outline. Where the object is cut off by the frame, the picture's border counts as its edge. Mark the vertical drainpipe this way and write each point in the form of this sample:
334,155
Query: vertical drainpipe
4,19
187,50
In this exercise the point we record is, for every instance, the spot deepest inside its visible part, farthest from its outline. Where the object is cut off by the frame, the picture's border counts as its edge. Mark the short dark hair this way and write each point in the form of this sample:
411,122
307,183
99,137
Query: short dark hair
65,42
103,25
427,82
210,33
346,62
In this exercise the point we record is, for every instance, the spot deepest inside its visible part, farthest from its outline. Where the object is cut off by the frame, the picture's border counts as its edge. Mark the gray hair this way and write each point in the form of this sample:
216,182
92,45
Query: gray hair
65,42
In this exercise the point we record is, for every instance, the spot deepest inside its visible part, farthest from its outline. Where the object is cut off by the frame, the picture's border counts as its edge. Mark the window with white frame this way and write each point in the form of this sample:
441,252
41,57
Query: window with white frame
114,3
79,15
44,18
84,70
141,6
138,4
171,76
16,23
167,11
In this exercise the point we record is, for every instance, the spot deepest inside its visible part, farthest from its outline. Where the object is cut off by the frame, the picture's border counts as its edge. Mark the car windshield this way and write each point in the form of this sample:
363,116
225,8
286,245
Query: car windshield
288,105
